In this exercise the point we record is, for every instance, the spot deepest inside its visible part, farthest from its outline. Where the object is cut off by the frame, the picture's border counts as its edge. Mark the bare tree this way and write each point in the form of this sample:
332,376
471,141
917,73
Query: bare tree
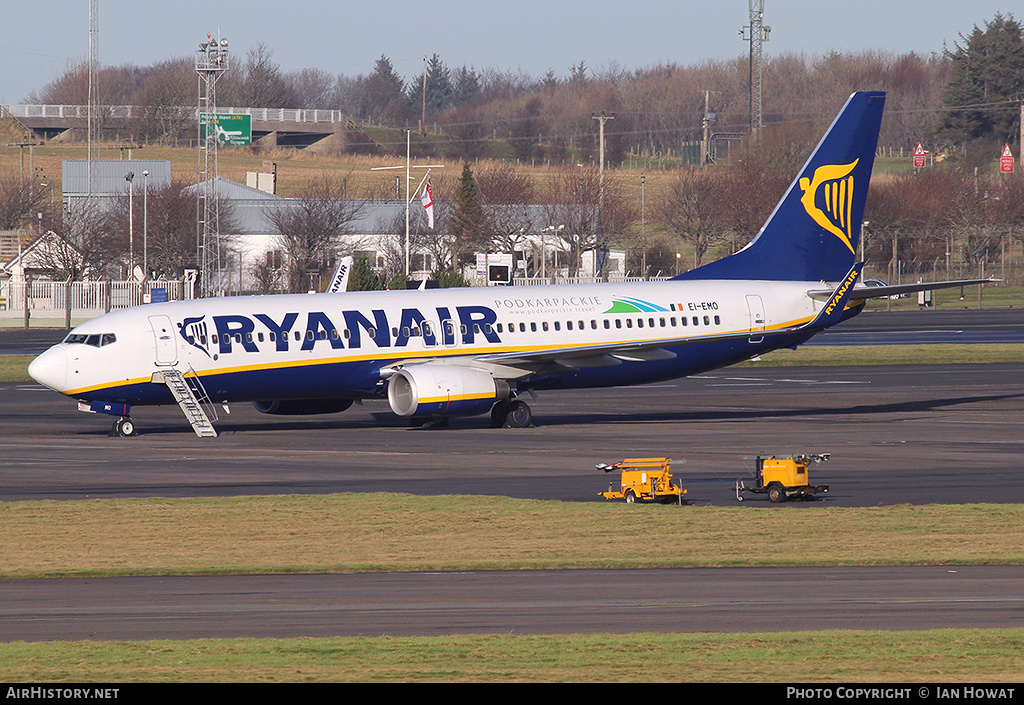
170,234
574,200
310,229
693,208
506,194
80,245
263,85
20,200
266,274
164,101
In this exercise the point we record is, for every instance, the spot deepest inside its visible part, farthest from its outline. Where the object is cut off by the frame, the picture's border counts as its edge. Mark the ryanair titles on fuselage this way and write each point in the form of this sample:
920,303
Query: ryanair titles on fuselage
439,327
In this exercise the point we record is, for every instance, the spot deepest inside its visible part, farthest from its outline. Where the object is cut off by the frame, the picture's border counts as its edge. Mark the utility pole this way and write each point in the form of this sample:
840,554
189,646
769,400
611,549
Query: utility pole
709,118
600,249
756,33
423,118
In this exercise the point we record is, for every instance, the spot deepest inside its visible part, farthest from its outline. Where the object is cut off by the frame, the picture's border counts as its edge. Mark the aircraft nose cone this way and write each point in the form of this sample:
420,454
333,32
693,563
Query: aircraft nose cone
51,369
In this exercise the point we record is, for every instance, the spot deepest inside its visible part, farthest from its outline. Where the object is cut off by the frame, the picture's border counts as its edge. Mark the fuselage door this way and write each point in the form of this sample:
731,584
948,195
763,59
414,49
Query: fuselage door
163,333
757,319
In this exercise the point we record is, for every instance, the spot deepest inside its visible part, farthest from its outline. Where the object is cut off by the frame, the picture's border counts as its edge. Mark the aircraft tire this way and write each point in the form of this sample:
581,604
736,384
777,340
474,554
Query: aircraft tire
124,427
518,414
498,414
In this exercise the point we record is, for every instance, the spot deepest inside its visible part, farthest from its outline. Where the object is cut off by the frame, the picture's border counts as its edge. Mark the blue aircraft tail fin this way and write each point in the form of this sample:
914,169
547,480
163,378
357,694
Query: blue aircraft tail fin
813,232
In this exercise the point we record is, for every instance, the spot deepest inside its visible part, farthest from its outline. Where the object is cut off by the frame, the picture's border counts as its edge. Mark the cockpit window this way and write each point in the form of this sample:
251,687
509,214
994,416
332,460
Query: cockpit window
96,340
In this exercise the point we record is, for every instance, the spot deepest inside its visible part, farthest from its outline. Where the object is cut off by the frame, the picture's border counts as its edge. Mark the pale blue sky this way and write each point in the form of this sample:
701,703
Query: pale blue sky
39,39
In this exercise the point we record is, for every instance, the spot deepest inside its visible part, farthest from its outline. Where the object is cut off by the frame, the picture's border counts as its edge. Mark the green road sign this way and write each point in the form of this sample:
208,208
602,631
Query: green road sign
231,129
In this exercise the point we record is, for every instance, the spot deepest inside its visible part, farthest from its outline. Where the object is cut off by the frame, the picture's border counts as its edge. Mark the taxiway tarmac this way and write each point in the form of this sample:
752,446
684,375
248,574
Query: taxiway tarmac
899,434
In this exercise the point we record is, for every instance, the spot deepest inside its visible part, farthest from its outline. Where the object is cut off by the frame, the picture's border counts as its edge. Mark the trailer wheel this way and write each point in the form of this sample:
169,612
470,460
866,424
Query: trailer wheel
776,493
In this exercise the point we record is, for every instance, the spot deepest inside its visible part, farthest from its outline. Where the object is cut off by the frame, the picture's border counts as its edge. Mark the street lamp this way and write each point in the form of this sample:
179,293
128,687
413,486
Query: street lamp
131,225
643,222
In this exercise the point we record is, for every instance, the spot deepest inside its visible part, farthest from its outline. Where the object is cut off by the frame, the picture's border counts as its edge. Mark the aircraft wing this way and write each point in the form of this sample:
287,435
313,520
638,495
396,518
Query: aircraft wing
603,355
883,292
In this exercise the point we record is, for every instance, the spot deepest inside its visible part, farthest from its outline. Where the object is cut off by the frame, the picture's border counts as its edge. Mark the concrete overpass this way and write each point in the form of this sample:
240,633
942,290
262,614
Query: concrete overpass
274,127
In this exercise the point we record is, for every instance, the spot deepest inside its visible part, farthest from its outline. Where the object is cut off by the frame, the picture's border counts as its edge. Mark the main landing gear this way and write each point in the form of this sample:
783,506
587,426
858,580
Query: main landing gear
511,413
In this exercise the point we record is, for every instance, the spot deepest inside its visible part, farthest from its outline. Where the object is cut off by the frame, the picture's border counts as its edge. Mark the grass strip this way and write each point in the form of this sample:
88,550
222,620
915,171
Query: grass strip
945,656
939,354
398,532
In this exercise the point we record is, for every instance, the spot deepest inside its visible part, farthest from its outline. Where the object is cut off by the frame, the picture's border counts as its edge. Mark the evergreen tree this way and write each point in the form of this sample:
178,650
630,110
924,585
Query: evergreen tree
466,223
465,85
384,72
440,91
383,94
363,278
988,79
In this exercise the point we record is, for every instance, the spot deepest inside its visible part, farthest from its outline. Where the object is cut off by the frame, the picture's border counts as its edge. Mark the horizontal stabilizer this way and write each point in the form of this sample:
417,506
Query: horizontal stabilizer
883,292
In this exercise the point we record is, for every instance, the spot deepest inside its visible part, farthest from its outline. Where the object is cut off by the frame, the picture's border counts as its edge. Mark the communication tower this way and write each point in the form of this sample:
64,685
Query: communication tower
756,33
93,92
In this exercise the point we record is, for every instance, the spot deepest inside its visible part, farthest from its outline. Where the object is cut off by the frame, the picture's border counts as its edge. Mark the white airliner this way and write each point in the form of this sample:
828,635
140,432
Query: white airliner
442,353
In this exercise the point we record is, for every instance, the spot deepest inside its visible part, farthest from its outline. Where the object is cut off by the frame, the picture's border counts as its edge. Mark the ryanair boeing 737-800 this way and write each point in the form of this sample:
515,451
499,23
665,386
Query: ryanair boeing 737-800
441,353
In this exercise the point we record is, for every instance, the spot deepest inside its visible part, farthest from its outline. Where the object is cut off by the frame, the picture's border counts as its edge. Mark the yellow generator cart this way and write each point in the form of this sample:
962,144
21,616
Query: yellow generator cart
644,480
783,477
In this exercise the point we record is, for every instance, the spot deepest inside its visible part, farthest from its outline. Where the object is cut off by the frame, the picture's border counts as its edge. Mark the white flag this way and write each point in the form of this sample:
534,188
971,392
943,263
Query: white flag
427,199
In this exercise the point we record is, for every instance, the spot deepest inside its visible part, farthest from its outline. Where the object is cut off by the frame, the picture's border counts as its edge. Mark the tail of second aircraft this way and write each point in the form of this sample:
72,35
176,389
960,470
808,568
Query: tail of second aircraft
813,232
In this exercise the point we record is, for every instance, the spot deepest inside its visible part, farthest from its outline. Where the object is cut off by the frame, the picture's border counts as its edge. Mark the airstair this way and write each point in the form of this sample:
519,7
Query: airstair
188,391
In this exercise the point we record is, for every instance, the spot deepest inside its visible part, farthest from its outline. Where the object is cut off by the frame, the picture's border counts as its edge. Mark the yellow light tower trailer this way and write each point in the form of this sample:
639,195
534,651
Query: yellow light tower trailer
644,480
783,477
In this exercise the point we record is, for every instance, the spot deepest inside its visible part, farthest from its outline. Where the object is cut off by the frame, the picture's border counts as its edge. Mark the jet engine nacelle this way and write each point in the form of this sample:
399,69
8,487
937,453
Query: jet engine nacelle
298,407
444,390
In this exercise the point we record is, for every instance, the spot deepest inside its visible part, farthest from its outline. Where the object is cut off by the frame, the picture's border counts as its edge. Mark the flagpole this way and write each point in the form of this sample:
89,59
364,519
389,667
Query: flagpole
408,198
408,168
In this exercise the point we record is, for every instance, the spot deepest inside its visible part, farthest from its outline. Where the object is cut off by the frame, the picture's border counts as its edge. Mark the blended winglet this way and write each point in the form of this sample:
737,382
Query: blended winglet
832,312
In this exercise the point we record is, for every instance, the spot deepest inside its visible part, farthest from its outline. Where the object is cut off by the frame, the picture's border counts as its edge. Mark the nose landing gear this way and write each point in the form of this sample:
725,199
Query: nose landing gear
123,427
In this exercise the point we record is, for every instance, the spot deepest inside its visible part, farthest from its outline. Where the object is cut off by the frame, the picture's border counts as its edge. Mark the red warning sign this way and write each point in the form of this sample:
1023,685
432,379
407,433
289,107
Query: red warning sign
920,157
1006,161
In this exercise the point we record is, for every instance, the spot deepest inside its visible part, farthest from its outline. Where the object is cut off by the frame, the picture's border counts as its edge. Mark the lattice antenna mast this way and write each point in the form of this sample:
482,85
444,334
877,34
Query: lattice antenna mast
211,62
93,91
756,33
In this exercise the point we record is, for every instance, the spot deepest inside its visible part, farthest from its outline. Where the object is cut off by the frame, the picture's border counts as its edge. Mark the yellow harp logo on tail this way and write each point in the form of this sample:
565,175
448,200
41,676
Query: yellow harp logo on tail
836,186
